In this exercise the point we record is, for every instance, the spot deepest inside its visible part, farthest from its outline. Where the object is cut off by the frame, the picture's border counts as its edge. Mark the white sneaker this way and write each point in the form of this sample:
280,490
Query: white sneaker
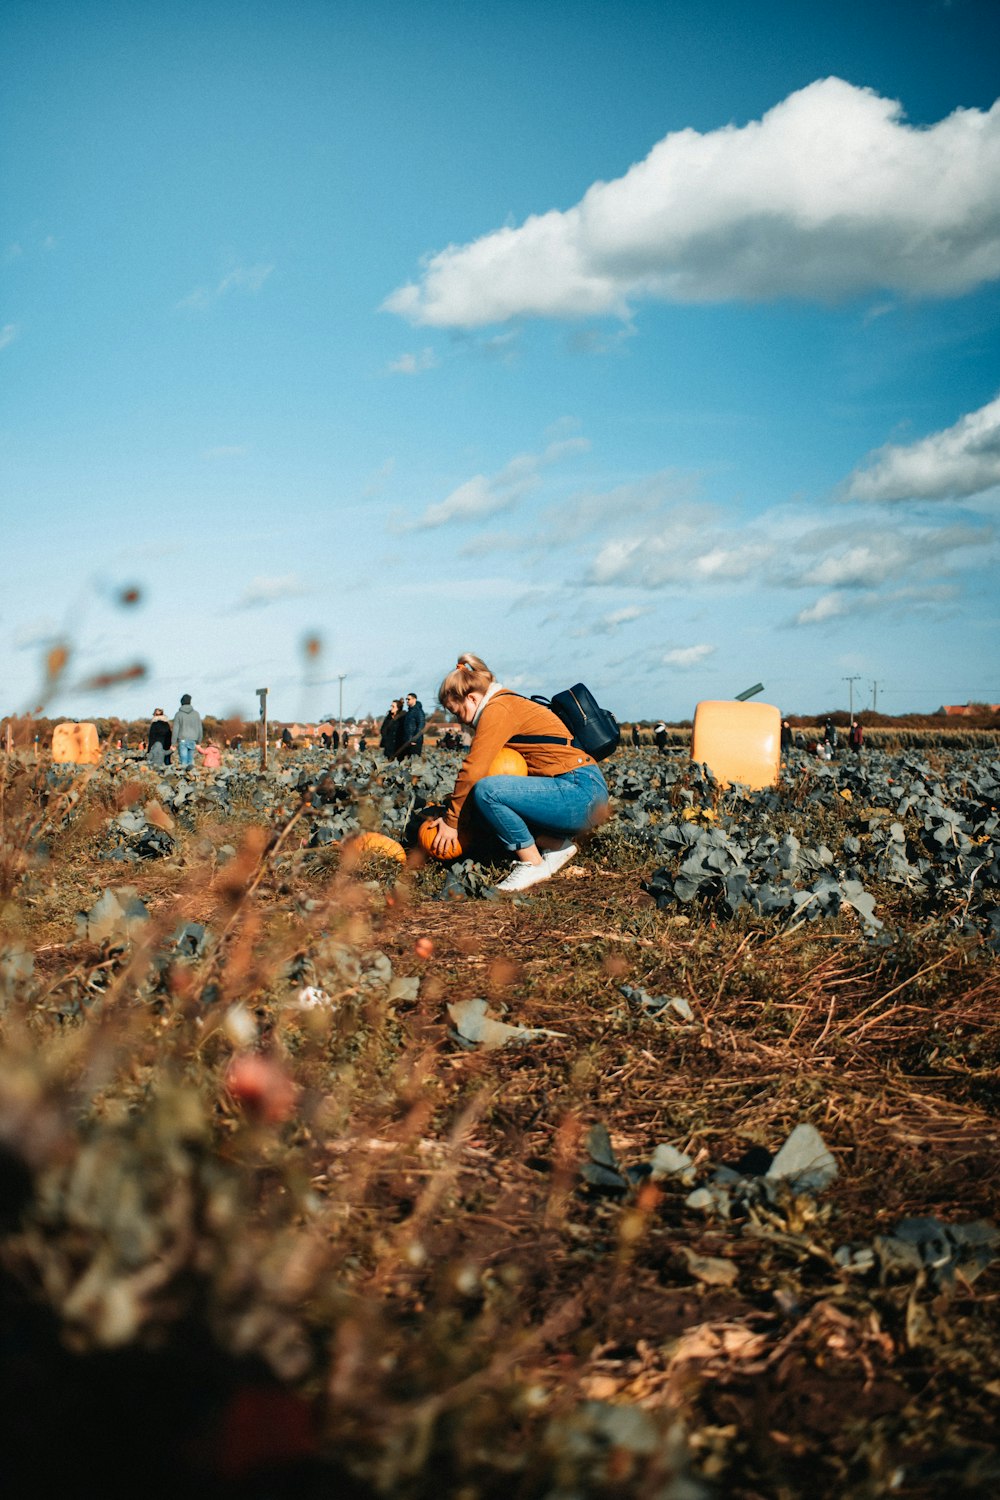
556,858
523,876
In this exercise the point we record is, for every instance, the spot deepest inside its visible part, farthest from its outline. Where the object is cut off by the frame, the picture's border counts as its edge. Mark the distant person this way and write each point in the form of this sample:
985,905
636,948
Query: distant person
187,731
286,738
636,738
391,729
786,736
414,722
855,735
158,739
660,737
830,736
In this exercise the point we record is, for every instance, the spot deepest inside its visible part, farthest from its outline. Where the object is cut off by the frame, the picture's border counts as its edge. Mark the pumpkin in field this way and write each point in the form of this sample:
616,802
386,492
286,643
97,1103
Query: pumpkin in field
426,834
261,1087
508,762
375,843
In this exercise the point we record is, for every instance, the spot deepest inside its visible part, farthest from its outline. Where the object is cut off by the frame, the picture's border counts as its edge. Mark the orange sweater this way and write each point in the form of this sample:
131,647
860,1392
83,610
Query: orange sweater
530,728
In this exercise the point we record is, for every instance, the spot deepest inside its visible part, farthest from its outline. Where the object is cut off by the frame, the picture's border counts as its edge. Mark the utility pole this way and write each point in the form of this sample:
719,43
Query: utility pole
340,710
262,695
850,690
875,688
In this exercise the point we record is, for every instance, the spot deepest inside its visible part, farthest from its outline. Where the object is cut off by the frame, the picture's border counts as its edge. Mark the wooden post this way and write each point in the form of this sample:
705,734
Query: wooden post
262,695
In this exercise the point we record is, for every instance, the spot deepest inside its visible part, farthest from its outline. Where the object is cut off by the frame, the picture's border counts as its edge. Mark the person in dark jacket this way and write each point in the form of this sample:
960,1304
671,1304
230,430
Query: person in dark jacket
391,729
855,736
635,735
660,736
414,720
159,734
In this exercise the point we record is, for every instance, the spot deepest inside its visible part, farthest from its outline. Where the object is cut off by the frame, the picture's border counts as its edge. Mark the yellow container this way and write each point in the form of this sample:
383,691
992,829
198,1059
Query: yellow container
738,741
76,744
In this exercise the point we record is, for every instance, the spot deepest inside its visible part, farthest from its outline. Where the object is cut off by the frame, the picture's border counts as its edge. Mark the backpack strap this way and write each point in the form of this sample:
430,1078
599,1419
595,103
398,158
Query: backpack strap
540,739
535,739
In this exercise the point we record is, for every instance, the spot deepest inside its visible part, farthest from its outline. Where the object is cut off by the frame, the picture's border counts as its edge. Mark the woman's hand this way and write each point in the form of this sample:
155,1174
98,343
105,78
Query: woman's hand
445,838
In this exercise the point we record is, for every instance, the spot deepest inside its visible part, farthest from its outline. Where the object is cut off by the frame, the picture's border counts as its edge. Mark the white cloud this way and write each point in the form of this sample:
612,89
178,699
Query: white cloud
829,195
488,495
611,623
959,461
864,556
8,333
827,607
649,495
414,364
840,603
685,657
499,348
488,542
502,346
240,279
687,549
623,616
263,591
598,341
680,551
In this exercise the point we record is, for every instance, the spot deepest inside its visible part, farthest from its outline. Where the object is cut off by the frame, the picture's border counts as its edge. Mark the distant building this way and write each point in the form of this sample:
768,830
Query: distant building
969,710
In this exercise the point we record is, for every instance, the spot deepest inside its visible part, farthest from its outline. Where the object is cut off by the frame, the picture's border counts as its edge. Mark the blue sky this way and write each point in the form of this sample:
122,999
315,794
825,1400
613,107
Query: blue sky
653,345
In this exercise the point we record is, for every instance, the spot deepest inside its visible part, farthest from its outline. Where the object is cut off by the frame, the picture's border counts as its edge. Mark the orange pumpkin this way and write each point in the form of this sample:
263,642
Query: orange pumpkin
427,833
508,762
375,843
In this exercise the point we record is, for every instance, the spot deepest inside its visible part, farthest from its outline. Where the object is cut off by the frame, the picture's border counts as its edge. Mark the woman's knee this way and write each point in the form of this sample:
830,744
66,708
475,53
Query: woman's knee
482,795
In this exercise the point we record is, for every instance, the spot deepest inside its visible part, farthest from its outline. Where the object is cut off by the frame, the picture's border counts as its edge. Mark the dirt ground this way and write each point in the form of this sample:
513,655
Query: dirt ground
479,1314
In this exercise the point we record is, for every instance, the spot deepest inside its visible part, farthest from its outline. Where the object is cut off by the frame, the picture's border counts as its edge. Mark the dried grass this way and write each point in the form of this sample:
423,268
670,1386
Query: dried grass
405,1255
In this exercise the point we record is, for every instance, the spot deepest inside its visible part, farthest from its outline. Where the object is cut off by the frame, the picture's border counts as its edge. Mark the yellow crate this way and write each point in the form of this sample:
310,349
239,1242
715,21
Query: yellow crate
738,741
76,744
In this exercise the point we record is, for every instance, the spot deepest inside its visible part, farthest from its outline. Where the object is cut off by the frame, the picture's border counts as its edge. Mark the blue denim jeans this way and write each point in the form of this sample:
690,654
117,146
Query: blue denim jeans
513,806
185,752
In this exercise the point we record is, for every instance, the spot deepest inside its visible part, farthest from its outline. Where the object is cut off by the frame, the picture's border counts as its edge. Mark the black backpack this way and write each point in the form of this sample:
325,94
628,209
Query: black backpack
594,729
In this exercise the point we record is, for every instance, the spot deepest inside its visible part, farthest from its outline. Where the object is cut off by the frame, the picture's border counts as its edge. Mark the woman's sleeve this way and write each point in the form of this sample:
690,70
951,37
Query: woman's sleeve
492,733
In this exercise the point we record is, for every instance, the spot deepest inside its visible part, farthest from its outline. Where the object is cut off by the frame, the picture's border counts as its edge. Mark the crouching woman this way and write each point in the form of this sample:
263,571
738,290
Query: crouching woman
536,816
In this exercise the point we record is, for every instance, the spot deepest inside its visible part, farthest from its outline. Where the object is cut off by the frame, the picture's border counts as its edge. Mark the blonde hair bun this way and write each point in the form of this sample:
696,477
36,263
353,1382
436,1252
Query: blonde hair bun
470,675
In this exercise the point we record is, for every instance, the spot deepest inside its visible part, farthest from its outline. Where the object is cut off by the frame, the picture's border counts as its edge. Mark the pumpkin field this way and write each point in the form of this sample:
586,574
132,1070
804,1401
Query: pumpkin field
326,1173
